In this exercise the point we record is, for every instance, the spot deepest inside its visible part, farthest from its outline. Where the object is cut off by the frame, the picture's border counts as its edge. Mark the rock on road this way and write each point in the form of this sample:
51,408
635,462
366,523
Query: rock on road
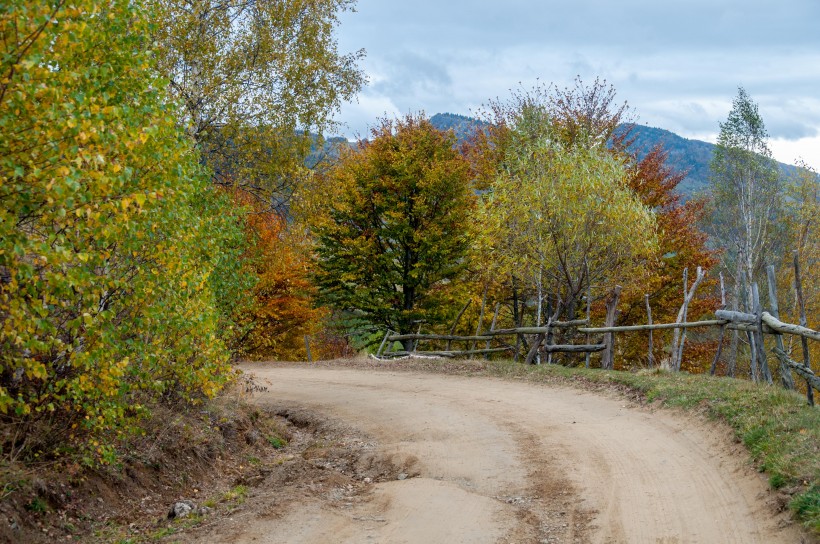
501,461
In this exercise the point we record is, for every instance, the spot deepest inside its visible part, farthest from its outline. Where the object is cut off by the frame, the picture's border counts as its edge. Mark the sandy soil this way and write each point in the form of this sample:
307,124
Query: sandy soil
485,460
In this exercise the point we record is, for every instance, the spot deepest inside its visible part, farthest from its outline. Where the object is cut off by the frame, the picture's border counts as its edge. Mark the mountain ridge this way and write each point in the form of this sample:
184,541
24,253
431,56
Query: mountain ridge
684,154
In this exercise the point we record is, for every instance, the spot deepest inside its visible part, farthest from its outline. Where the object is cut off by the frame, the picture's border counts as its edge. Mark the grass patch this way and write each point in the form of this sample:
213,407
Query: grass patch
237,494
780,431
277,442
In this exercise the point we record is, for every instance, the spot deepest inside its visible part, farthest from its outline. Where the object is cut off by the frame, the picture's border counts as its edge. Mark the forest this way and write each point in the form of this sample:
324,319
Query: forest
166,210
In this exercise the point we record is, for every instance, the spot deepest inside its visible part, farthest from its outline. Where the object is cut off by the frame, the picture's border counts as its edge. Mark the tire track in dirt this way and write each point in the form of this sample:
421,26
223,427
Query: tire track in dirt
502,461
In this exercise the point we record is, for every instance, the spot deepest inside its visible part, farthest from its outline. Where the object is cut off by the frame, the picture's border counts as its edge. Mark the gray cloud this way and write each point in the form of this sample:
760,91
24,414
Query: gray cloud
678,63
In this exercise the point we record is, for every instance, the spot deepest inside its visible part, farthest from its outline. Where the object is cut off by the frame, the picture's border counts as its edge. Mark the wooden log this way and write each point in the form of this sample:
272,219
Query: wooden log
651,357
574,348
401,337
785,373
736,317
653,327
538,330
787,328
453,353
811,378
608,355
798,287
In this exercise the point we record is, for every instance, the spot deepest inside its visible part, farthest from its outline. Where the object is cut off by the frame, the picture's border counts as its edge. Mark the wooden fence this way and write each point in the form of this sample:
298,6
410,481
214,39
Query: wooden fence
755,325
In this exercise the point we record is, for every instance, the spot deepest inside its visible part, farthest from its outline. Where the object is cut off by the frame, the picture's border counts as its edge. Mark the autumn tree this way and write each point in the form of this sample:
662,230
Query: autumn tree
255,82
802,213
567,212
283,309
254,78
589,117
396,228
110,233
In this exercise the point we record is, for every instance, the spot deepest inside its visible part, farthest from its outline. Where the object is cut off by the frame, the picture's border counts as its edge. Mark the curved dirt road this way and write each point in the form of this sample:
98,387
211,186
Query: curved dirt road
491,461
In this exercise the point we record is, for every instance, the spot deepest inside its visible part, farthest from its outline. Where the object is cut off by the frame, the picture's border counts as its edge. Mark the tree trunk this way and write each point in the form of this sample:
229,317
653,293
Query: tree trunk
785,372
607,357
760,350
798,287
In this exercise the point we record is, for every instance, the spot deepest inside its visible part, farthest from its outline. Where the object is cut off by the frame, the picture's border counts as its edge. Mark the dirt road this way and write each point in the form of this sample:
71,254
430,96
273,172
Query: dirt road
485,460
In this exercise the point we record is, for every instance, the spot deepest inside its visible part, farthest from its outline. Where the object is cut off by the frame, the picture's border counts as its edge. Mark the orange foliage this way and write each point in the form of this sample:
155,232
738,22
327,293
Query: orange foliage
283,312
682,245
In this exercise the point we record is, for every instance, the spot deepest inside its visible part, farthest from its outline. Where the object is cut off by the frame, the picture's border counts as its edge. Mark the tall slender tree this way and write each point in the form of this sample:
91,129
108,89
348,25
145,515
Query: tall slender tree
746,189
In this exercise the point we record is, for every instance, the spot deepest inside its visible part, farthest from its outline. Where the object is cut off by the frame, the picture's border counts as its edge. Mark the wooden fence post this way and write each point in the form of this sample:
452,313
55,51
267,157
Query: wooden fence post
713,368
651,358
384,341
455,323
307,349
798,287
589,304
492,328
760,350
785,372
679,338
480,318
607,357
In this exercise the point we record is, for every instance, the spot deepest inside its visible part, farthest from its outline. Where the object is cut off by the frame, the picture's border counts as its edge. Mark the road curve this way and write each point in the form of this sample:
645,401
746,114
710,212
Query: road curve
501,461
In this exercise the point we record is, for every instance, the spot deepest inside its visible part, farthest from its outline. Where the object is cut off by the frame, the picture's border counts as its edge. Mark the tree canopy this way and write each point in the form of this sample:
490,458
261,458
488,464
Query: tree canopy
396,231
254,78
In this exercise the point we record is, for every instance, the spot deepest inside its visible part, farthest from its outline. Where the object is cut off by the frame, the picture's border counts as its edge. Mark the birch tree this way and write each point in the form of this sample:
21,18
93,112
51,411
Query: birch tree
746,188
566,213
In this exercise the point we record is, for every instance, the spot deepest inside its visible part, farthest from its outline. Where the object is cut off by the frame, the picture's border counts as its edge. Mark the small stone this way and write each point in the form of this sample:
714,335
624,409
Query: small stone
181,509
368,480
402,476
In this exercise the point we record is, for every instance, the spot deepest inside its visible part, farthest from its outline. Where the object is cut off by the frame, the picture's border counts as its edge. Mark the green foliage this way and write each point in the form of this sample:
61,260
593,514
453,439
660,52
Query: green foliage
253,79
807,506
111,237
395,234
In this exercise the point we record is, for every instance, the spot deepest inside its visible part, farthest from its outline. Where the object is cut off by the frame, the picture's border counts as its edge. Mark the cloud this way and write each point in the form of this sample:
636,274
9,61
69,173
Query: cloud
677,63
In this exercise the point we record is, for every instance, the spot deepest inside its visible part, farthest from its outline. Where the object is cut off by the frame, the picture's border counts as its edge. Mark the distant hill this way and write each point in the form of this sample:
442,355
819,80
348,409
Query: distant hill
685,155
690,156
462,125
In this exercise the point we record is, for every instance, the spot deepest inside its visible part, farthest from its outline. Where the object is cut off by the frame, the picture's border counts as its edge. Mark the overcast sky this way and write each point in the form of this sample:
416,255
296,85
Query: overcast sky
677,63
